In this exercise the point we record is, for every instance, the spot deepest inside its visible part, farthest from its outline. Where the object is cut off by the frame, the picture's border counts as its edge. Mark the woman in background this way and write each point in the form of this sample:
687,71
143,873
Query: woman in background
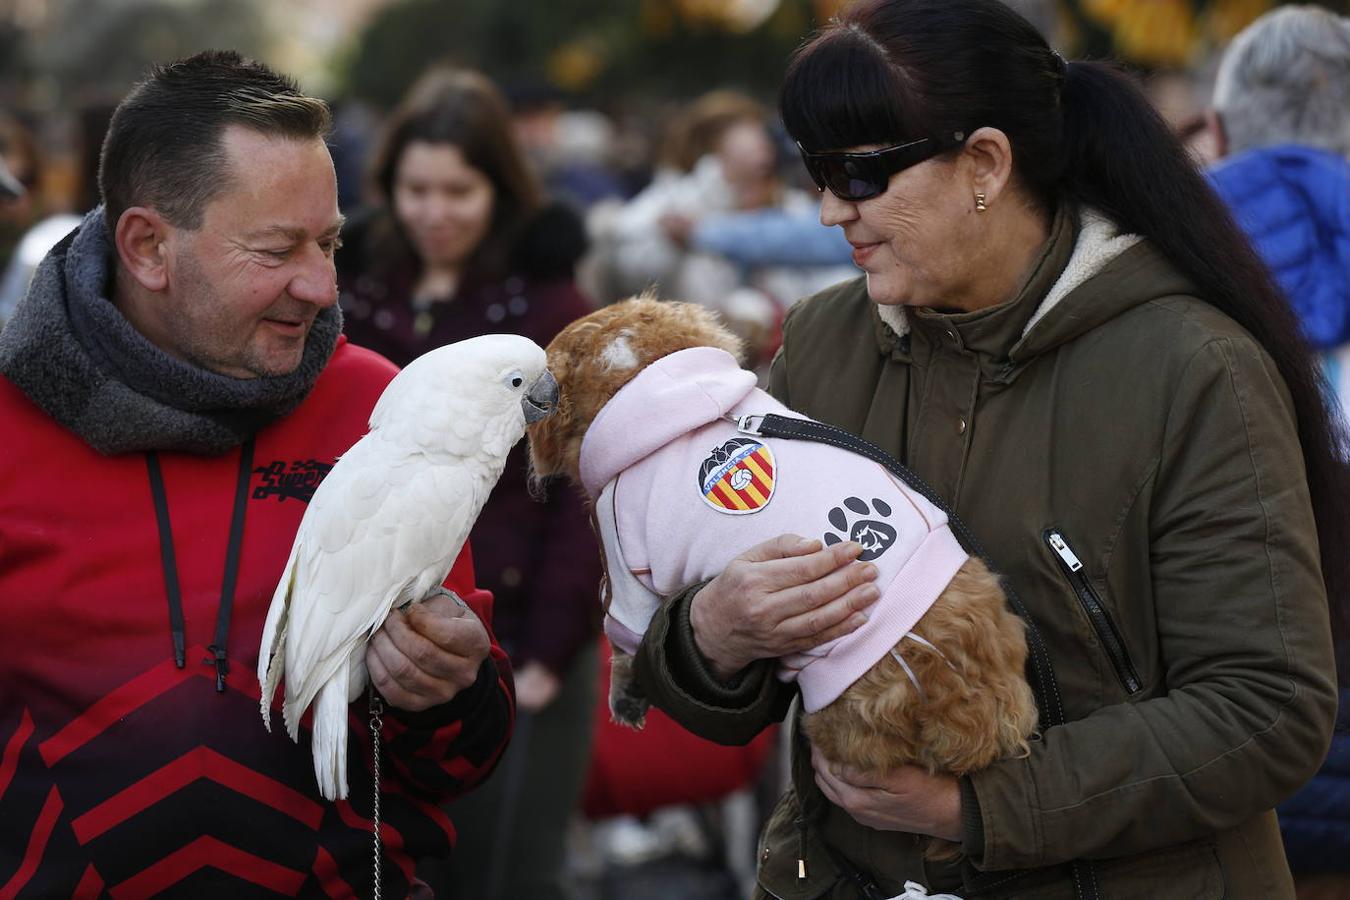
463,245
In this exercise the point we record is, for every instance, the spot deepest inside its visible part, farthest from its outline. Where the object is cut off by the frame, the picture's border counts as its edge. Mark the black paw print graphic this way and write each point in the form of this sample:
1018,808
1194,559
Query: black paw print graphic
876,537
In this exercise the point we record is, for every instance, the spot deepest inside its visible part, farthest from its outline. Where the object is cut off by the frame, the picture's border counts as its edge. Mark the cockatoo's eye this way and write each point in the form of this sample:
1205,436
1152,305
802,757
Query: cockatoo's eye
515,379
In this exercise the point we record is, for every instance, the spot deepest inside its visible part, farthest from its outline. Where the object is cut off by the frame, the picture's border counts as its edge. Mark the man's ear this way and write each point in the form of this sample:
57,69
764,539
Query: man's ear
140,238
989,155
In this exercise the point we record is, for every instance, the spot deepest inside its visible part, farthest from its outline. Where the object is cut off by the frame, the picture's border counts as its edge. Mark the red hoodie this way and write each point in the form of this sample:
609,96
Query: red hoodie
120,773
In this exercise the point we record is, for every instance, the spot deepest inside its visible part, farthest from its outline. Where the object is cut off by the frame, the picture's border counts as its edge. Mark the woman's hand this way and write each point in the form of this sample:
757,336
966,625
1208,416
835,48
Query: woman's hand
783,596
905,799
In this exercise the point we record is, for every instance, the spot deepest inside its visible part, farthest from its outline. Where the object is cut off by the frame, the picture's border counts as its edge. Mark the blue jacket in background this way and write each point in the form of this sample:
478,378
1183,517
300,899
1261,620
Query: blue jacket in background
772,237
1294,203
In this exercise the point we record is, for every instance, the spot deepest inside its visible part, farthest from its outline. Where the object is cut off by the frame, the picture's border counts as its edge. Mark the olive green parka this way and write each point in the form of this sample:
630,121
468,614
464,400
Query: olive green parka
1127,456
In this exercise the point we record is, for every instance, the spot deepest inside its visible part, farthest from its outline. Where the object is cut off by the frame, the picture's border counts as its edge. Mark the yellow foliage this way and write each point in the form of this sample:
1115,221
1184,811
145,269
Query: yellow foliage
1158,32
1172,33
657,18
1227,17
828,9
575,65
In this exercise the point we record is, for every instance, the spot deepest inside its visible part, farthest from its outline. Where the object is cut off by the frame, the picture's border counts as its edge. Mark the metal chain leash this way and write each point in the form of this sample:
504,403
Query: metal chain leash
376,709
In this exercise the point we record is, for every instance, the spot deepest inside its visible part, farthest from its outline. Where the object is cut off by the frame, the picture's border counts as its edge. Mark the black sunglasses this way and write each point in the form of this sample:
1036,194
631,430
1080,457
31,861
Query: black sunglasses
859,176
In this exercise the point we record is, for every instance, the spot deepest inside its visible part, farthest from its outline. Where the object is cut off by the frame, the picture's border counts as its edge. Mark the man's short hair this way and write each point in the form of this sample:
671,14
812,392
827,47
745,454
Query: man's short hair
1285,79
163,147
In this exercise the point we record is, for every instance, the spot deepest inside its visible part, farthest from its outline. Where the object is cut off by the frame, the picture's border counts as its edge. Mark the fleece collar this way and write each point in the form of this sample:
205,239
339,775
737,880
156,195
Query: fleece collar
74,354
1070,258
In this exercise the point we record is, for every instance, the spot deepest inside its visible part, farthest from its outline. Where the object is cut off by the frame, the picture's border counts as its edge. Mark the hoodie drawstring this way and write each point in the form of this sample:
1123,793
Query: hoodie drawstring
800,822
232,552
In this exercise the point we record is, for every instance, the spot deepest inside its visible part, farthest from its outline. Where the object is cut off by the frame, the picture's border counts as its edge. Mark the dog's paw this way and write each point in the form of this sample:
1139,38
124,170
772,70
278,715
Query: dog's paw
630,710
627,704
874,536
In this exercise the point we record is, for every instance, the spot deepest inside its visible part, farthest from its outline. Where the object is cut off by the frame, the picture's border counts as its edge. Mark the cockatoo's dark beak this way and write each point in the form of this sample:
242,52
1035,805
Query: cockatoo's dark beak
541,399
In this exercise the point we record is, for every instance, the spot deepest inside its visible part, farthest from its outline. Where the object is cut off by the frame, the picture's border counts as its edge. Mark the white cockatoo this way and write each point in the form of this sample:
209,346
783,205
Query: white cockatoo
387,522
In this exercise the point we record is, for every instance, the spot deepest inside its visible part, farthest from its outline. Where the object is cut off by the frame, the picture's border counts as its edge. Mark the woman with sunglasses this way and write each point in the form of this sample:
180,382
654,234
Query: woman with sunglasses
1060,329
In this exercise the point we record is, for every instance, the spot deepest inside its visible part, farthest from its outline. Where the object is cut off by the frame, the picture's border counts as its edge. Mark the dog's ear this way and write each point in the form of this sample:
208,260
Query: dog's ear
875,725
975,706
981,708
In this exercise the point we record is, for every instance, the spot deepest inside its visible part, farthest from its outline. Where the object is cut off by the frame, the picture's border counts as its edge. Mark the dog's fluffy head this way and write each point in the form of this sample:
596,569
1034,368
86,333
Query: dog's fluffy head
598,354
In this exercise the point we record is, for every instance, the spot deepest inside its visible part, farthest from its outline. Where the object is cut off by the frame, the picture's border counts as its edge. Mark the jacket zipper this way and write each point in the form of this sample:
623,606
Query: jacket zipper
1096,612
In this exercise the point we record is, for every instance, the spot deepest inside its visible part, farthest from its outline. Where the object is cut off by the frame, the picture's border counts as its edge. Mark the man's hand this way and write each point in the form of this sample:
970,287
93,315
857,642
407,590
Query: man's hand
905,799
782,596
536,686
427,653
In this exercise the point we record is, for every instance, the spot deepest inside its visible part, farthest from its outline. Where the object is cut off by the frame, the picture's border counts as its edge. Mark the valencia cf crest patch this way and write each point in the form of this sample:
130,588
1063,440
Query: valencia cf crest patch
738,477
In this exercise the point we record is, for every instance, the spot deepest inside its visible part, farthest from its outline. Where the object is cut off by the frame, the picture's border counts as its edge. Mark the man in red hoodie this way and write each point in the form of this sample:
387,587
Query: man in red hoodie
173,388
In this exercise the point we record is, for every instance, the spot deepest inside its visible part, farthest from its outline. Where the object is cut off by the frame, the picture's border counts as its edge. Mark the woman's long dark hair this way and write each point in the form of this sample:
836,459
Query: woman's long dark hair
891,70
464,109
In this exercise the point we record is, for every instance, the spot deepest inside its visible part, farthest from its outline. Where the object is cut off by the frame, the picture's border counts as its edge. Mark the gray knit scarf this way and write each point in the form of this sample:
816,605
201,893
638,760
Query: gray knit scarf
77,357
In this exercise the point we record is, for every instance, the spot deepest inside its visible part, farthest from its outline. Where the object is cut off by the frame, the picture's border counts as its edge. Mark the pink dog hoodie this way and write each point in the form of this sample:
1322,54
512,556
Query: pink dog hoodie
680,491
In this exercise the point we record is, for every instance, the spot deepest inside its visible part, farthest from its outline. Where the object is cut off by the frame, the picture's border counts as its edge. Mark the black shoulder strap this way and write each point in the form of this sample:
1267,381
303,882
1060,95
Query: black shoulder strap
1044,683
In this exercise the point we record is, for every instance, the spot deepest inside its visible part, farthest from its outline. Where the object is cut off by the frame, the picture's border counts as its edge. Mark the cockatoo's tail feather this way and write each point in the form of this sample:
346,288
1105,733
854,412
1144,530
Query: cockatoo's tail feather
274,638
329,734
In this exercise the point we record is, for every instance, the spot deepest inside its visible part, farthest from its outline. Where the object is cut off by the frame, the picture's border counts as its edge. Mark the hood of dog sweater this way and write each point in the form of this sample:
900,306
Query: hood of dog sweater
669,398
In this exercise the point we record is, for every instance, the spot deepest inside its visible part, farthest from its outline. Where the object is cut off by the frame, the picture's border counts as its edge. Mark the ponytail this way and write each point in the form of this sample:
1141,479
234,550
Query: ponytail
1121,158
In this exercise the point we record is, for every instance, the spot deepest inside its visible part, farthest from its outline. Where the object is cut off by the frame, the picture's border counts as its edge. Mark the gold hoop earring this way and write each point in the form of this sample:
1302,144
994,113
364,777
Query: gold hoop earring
979,203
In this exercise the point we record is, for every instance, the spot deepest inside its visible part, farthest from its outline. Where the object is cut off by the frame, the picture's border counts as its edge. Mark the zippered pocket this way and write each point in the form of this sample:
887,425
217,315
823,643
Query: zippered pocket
1106,629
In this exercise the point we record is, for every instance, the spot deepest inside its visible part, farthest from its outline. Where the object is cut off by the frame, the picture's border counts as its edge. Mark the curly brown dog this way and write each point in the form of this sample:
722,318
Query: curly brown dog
949,695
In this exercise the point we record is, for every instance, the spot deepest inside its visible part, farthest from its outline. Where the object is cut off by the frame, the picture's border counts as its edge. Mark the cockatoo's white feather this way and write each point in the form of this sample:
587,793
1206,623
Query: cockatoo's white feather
386,524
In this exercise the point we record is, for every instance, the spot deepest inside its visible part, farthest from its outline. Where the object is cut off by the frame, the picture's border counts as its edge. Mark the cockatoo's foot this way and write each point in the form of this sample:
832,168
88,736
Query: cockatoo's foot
440,590
627,704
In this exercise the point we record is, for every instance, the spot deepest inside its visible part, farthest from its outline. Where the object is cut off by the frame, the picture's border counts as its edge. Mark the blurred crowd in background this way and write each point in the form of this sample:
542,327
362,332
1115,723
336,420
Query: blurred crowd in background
653,119
650,158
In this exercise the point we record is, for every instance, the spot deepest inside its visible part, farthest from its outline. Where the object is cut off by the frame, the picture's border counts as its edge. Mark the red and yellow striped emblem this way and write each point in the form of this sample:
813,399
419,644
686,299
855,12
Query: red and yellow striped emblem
738,477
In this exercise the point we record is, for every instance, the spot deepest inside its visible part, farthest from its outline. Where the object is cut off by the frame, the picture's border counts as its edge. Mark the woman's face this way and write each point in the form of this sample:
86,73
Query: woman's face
443,203
913,240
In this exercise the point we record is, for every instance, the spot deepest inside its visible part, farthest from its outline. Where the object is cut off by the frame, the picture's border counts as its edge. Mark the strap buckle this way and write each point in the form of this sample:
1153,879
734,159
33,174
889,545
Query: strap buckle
749,424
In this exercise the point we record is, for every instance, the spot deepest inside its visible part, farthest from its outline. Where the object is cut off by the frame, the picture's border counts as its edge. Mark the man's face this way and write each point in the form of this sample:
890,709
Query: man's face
244,288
